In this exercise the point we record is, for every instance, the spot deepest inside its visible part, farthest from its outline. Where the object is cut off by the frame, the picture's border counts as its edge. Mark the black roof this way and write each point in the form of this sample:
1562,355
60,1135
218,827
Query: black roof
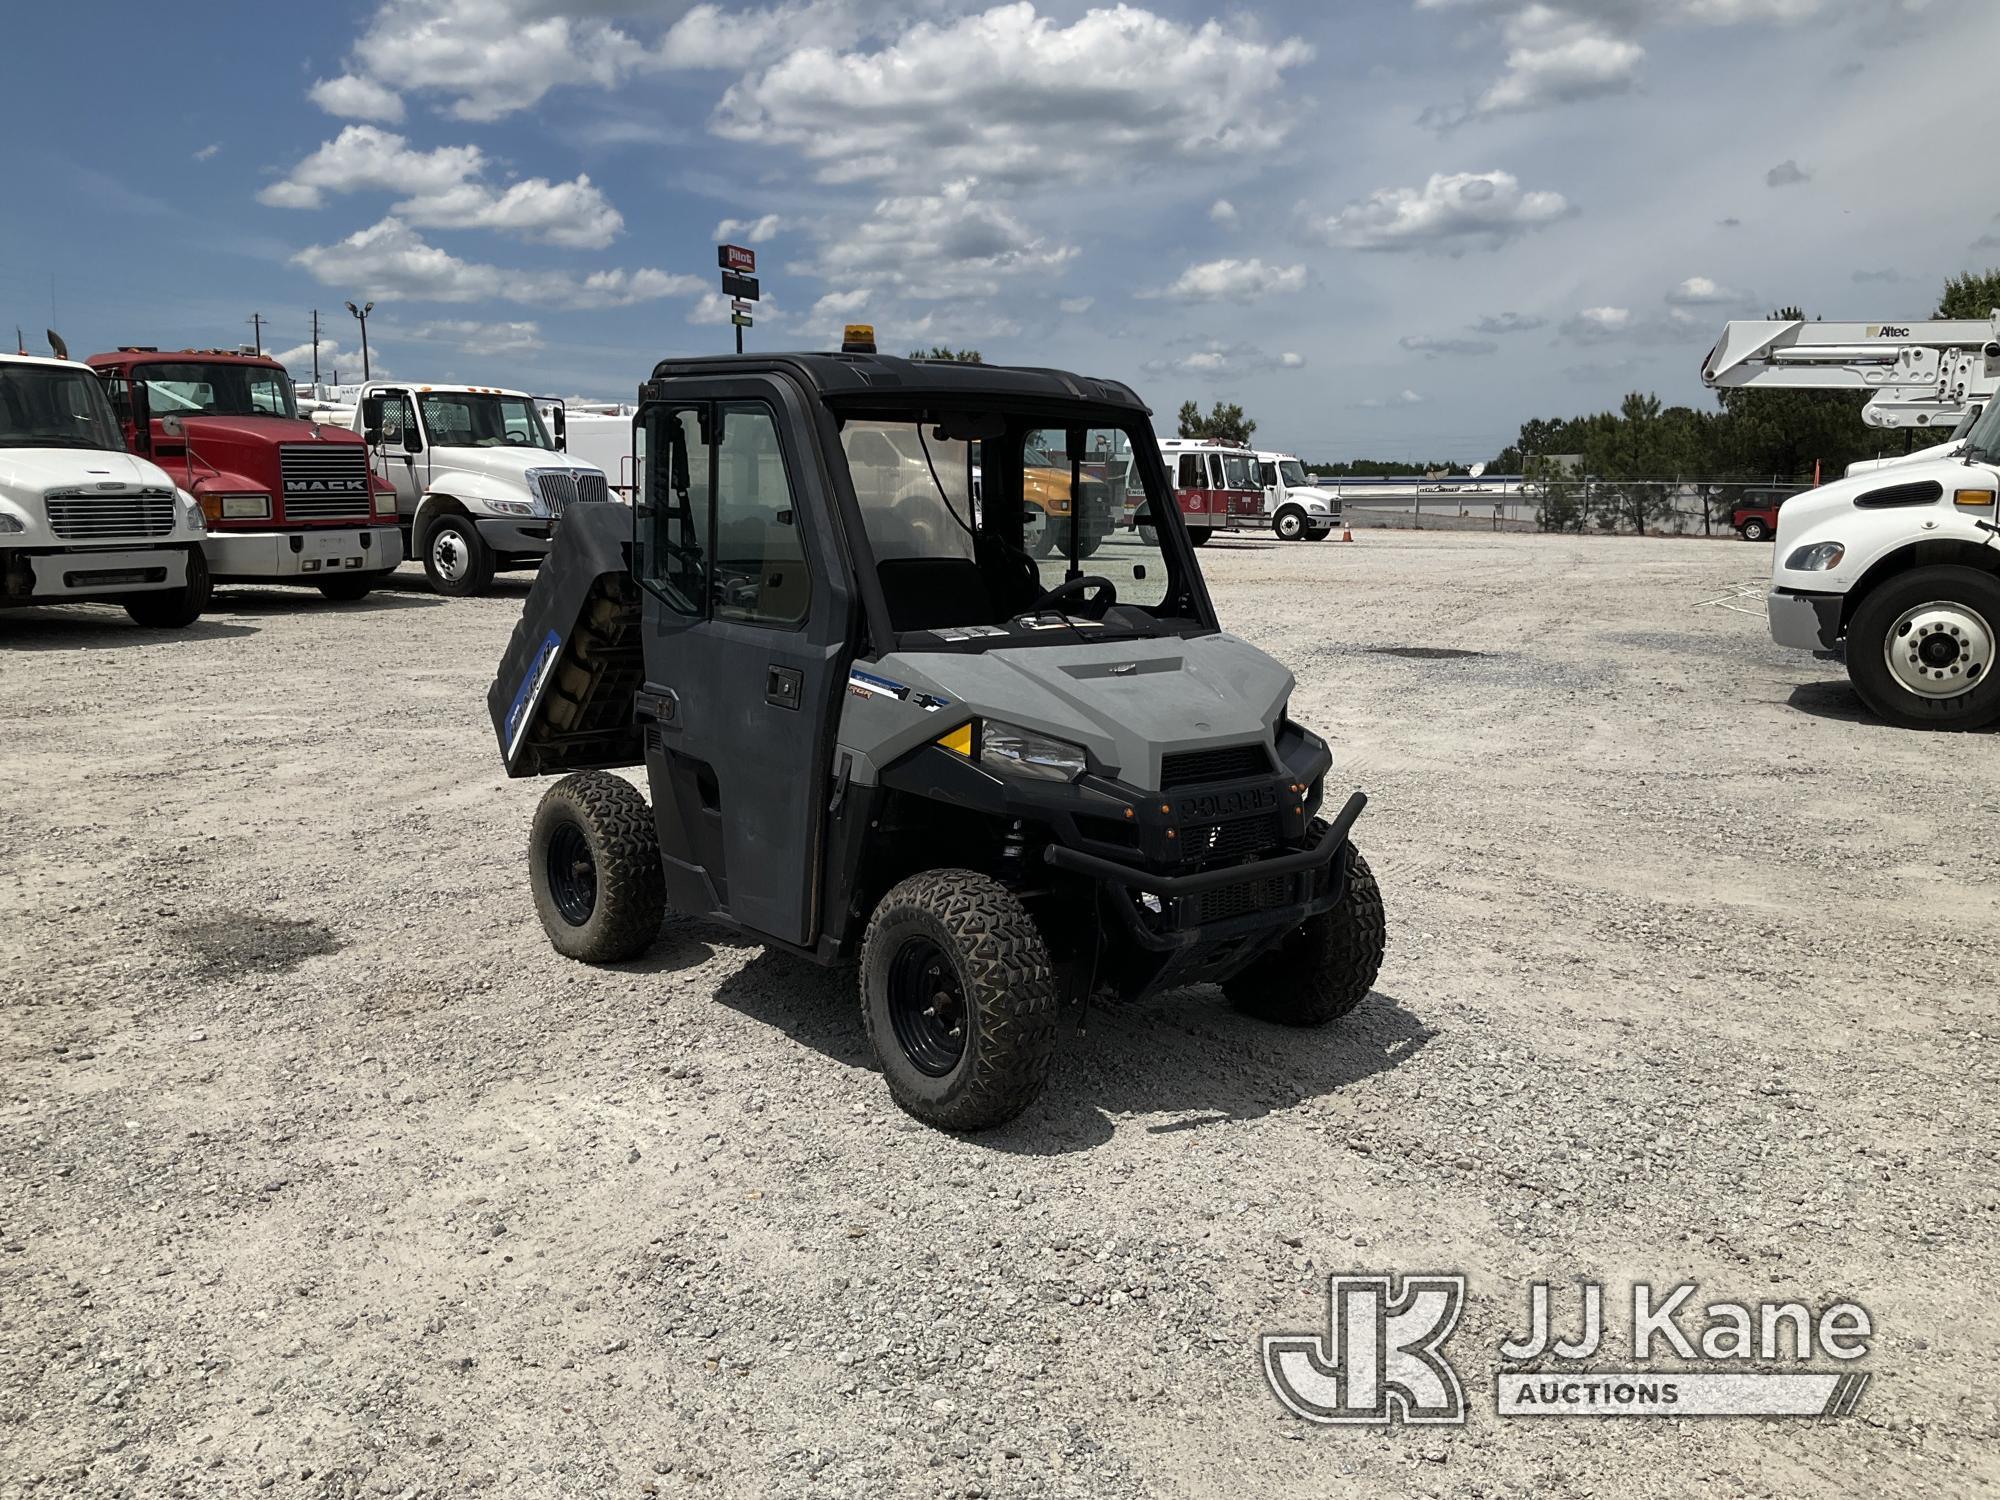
837,375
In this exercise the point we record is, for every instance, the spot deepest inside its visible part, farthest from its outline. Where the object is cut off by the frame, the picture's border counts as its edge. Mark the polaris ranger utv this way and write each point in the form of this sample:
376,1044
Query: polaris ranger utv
874,724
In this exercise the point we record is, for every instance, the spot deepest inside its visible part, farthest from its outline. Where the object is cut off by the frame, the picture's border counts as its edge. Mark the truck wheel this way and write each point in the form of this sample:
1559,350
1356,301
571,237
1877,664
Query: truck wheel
347,590
456,558
1289,523
175,609
1920,649
1043,542
1198,535
1754,531
594,866
959,999
1323,969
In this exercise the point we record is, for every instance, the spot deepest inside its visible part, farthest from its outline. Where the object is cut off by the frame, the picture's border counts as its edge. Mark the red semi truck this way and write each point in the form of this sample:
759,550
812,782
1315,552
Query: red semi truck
286,500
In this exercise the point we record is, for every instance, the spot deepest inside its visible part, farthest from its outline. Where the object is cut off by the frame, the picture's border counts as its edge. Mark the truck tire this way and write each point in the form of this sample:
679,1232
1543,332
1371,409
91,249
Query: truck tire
1289,523
1198,535
1754,530
959,999
1043,542
456,558
175,609
594,866
346,589
1323,969
1921,648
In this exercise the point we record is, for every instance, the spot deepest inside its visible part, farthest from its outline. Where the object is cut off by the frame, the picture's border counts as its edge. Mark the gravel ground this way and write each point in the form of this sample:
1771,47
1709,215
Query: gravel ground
325,1176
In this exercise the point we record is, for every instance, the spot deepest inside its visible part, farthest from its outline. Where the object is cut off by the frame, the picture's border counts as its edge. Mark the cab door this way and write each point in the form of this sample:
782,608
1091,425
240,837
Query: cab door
746,641
393,458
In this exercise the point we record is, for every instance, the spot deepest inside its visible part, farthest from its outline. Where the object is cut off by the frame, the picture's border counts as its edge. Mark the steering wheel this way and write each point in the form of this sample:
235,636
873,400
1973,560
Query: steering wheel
1102,592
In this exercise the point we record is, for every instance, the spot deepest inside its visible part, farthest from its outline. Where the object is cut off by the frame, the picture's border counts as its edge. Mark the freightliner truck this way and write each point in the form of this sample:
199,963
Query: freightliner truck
82,520
285,500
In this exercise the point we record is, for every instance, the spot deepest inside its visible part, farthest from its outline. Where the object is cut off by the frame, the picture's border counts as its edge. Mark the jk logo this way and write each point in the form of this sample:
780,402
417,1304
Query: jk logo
1379,1360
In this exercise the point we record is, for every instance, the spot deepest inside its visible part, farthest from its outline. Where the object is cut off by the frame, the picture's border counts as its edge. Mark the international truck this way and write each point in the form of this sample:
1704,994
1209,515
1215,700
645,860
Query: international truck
284,500
481,480
83,521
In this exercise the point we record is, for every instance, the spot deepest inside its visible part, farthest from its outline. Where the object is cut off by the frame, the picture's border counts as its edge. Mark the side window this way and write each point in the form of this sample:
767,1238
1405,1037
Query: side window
1215,476
1267,475
118,390
1192,477
672,524
392,420
760,563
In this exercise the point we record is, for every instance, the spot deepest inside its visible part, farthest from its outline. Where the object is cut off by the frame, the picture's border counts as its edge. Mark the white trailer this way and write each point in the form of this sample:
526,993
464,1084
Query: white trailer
81,519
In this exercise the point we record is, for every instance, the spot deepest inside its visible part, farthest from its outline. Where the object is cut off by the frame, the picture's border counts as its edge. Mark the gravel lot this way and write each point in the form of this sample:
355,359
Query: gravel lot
325,1176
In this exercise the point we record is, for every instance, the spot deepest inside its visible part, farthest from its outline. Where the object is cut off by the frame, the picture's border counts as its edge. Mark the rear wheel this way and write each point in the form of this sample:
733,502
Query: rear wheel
594,867
456,558
959,999
346,589
1754,530
1921,647
175,609
1323,969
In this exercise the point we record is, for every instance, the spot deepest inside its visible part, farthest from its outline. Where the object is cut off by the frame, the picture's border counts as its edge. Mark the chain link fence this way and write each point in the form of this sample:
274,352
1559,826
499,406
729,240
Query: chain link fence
1662,507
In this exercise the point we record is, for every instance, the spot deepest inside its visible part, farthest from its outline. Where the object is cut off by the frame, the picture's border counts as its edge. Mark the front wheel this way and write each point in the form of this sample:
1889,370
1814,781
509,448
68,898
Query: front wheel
1198,535
345,590
1920,648
959,999
1290,524
175,609
594,868
456,558
1322,969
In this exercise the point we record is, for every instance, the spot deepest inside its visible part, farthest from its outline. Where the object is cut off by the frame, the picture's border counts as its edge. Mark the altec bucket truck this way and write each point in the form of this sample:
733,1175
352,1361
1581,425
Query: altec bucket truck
1895,567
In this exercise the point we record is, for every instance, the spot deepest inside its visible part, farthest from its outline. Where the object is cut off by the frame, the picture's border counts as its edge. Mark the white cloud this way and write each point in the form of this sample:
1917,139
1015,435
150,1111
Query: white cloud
1451,212
353,98
839,306
1222,211
333,356
485,340
444,190
1703,291
207,153
713,307
952,244
1597,324
1290,360
1787,173
491,57
756,231
1508,322
1404,397
710,37
1433,348
1218,361
390,260
1075,305
1011,95
1232,281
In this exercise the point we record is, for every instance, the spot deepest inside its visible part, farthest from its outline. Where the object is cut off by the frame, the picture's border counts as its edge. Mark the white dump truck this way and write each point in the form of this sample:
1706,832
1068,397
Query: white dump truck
81,519
1299,510
481,478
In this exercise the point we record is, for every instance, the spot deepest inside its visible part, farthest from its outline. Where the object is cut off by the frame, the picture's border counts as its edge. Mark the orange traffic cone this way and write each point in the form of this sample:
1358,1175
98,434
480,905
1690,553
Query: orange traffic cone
1346,532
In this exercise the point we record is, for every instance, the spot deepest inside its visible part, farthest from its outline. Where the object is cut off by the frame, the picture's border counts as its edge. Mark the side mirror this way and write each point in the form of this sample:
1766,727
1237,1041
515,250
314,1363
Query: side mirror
173,425
371,419
562,429
142,418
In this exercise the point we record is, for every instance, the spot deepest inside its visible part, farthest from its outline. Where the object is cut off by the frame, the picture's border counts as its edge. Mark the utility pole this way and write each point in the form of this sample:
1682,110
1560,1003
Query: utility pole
257,330
362,314
315,347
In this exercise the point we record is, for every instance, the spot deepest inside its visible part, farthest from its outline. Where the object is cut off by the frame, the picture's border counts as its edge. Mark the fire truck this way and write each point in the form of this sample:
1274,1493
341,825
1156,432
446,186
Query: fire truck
286,500
1215,485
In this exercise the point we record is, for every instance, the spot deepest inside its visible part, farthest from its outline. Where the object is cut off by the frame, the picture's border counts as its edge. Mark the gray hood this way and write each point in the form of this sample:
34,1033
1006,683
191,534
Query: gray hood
1126,702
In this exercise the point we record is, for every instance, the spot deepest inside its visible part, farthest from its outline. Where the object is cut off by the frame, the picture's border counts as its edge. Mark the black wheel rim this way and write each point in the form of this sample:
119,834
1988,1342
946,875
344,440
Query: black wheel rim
927,1007
572,874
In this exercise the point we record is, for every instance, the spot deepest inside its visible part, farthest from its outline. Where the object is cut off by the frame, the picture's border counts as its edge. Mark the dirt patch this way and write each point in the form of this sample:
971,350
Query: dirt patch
1423,653
228,943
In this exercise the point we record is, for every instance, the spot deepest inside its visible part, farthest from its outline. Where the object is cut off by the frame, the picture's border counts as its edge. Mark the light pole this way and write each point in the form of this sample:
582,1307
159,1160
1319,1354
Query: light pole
362,313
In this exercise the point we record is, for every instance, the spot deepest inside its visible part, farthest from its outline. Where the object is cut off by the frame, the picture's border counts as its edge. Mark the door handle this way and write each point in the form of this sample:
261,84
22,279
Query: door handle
784,686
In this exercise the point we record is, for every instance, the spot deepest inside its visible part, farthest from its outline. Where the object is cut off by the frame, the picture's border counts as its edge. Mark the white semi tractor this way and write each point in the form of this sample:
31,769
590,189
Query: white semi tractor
481,477
81,519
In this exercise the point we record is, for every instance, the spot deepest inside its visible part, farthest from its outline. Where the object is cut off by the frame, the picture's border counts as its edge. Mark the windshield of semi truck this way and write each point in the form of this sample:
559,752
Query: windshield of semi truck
460,419
1983,441
217,390
1293,473
45,407
1053,505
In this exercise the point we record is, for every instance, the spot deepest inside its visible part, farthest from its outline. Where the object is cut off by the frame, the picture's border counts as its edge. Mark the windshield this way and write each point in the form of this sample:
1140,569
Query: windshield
968,534
193,389
1967,422
1239,472
1293,473
42,406
460,419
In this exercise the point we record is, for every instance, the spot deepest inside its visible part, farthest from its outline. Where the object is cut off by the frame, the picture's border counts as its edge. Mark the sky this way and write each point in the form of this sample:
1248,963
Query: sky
1391,228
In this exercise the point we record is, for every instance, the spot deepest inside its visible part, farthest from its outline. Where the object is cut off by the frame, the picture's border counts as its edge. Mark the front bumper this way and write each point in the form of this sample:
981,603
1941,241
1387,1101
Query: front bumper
79,573
307,555
516,536
1805,622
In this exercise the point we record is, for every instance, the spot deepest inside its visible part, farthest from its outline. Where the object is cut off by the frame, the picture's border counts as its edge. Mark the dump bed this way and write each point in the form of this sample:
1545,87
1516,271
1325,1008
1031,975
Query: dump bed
563,698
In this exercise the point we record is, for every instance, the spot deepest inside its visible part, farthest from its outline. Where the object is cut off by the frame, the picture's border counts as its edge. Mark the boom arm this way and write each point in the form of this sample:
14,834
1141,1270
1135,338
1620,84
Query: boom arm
1922,374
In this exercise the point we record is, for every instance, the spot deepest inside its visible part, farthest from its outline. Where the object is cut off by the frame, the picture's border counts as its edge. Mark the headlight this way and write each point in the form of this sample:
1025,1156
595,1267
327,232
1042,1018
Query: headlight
245,507
1817,558
385,502
1014,751
511,507
9,525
